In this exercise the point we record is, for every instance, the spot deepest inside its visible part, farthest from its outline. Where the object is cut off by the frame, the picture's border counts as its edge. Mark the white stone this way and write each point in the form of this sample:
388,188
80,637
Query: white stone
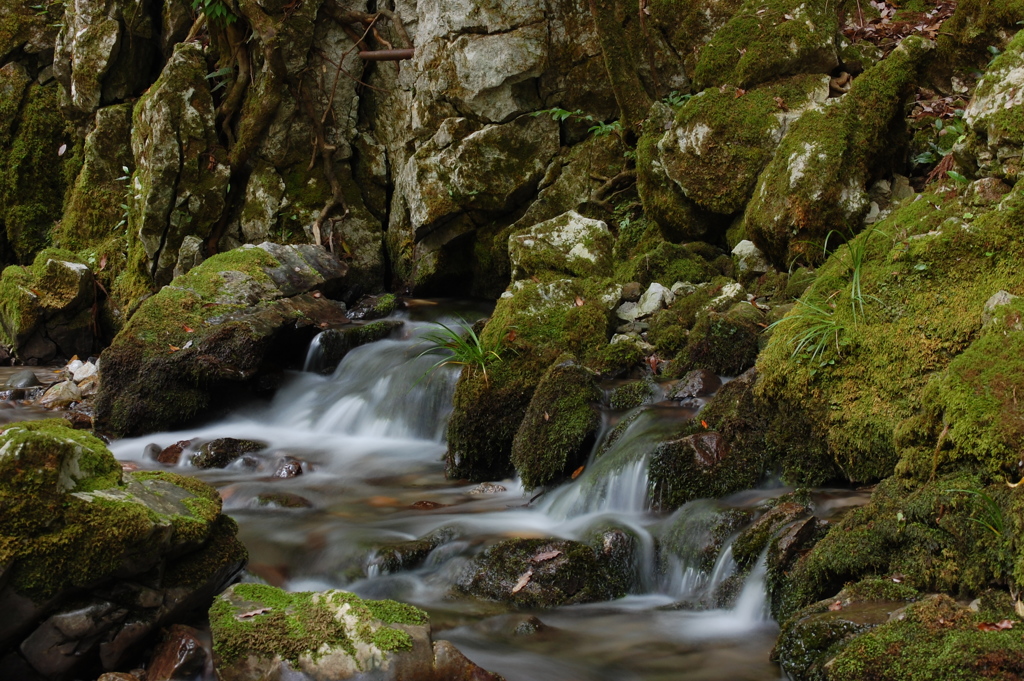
627,312
750,258
654,298
85,371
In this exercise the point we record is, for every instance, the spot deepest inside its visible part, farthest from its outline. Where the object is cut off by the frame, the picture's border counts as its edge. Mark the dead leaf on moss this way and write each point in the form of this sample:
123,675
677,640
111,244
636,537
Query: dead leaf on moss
523,581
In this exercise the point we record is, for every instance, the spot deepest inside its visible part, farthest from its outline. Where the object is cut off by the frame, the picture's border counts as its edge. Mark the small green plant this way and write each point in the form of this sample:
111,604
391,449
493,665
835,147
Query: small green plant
602,129
858,250
674,99
459,347
959,178
948,133
216,11
990,513
127,179
599,129
816,329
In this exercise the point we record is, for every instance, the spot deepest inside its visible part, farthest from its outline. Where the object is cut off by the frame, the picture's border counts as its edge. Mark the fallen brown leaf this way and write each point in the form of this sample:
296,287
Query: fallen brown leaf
838,605
523,581
576,473
579,301
547,555
995,626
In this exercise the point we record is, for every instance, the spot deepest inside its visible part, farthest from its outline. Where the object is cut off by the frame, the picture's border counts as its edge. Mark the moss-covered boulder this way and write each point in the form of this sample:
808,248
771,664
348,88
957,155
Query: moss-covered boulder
688,27
217,325
811,638
723,342
976,25
868,631
766,39
995,127
546,573
876,384
26,29
119,555
560,425
180,182
568,245
47,310
817,181
262,632
678,217
718,129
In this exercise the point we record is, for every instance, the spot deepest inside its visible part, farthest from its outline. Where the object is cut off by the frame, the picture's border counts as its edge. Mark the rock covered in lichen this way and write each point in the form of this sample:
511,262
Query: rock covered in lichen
261,632
995,128
180,184
92,554
817,180
47,308
569,244
717,130
211,327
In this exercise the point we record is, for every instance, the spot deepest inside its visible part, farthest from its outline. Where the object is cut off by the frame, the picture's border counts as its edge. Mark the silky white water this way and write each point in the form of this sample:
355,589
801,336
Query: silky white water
371,437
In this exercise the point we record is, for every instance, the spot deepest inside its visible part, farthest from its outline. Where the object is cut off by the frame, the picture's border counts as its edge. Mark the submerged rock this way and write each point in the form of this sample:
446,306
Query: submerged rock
336,343
222,451
546,573
94,560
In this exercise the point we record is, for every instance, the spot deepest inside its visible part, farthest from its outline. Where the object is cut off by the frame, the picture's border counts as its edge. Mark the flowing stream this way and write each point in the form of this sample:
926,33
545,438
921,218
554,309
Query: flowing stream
370,439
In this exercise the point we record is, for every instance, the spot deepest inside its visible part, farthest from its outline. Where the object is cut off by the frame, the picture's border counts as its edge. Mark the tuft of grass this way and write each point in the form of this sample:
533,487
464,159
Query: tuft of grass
459,347
858,250
818,329
990,513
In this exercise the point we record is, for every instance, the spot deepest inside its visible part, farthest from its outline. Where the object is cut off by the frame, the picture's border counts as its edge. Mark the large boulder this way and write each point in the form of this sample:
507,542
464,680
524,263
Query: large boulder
718,129
765,40
35,155
465,173
180,183
214,326
817,181
95,560
47,309
560,425
260,632
994,141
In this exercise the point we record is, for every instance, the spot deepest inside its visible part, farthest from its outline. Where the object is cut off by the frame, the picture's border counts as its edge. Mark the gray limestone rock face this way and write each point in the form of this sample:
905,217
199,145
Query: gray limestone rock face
994,141
568,244
180,183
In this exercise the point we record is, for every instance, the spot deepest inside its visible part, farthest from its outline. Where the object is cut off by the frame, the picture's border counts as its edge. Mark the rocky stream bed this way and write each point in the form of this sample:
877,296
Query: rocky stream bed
548,339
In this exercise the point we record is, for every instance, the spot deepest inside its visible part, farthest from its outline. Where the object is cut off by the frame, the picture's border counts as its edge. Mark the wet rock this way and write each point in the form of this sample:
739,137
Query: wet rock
83,372
222,451
752,542
61,395
450,663
374,307
334,344
171,454
282,500
560,425
80,417
181,655
633,394
543,573
288,468
83,528
411,554
90,386
221,324
696,383
569,244
23,379
488,488
259,631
